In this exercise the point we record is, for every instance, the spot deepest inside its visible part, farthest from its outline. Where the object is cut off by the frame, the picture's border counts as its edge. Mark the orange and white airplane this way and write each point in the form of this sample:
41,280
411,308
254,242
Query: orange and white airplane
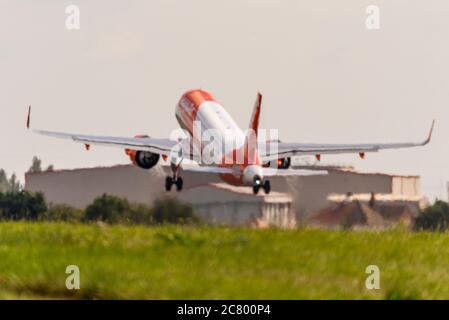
249,162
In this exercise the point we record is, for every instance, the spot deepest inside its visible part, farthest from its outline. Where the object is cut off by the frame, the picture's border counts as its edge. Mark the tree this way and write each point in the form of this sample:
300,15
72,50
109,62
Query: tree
112,209
106,208
63,212
4,183
22,205
36,165
434,218
14,184
170,210
9,185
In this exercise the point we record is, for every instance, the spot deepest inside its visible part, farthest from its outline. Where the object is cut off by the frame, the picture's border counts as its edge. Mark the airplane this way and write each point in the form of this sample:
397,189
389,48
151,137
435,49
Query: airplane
257,160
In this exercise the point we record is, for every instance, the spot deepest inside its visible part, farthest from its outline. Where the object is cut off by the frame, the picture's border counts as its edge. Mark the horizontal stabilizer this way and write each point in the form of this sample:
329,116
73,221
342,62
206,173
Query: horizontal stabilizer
271,172
207,169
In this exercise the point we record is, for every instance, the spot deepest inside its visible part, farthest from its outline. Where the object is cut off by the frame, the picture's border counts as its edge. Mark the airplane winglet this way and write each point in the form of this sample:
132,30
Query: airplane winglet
29,117
429,137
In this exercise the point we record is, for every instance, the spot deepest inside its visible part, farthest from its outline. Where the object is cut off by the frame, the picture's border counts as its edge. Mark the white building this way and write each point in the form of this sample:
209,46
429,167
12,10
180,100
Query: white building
220,203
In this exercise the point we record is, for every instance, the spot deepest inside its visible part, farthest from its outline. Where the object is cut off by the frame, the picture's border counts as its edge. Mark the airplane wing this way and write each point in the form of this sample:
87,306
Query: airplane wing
283,150
159,146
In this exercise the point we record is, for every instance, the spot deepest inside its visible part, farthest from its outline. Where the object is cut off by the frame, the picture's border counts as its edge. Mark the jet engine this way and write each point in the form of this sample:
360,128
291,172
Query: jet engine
143,159
283,163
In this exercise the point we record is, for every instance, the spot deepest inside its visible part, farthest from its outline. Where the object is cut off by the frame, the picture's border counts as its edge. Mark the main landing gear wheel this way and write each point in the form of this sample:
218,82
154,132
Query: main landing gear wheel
256,188
169,182
179,184
257,184
267,186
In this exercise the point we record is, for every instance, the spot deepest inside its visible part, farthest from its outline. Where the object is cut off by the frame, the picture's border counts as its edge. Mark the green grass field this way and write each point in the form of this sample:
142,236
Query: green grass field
218,263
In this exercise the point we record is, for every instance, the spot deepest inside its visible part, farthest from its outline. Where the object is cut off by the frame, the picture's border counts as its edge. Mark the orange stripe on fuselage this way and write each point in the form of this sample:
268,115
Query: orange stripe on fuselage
189,105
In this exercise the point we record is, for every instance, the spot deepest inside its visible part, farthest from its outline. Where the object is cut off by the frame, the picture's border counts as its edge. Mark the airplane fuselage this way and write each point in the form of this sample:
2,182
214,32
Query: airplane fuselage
197,110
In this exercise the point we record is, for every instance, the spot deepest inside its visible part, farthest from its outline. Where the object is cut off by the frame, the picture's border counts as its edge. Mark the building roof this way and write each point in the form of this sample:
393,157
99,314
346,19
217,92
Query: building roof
356,214
366,197
348,214
350,169
78,169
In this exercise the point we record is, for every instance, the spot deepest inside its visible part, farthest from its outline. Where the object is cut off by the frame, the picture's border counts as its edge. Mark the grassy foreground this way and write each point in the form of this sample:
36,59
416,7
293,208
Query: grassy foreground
213,263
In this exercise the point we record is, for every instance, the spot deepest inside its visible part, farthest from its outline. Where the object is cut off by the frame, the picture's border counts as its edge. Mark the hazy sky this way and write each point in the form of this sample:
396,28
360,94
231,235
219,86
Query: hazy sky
324,76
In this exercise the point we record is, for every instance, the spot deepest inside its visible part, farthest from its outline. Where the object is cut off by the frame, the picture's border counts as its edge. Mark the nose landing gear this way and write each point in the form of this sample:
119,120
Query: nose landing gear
170,181
266,185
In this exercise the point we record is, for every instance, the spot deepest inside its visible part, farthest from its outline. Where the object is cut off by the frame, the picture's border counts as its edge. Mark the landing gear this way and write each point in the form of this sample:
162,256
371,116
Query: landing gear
266,185
169,182
256,189
257,183
175,179
179,182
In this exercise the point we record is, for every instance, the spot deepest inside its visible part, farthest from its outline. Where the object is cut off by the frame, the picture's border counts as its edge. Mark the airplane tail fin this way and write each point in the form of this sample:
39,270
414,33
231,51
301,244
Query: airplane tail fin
251,135
254,122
